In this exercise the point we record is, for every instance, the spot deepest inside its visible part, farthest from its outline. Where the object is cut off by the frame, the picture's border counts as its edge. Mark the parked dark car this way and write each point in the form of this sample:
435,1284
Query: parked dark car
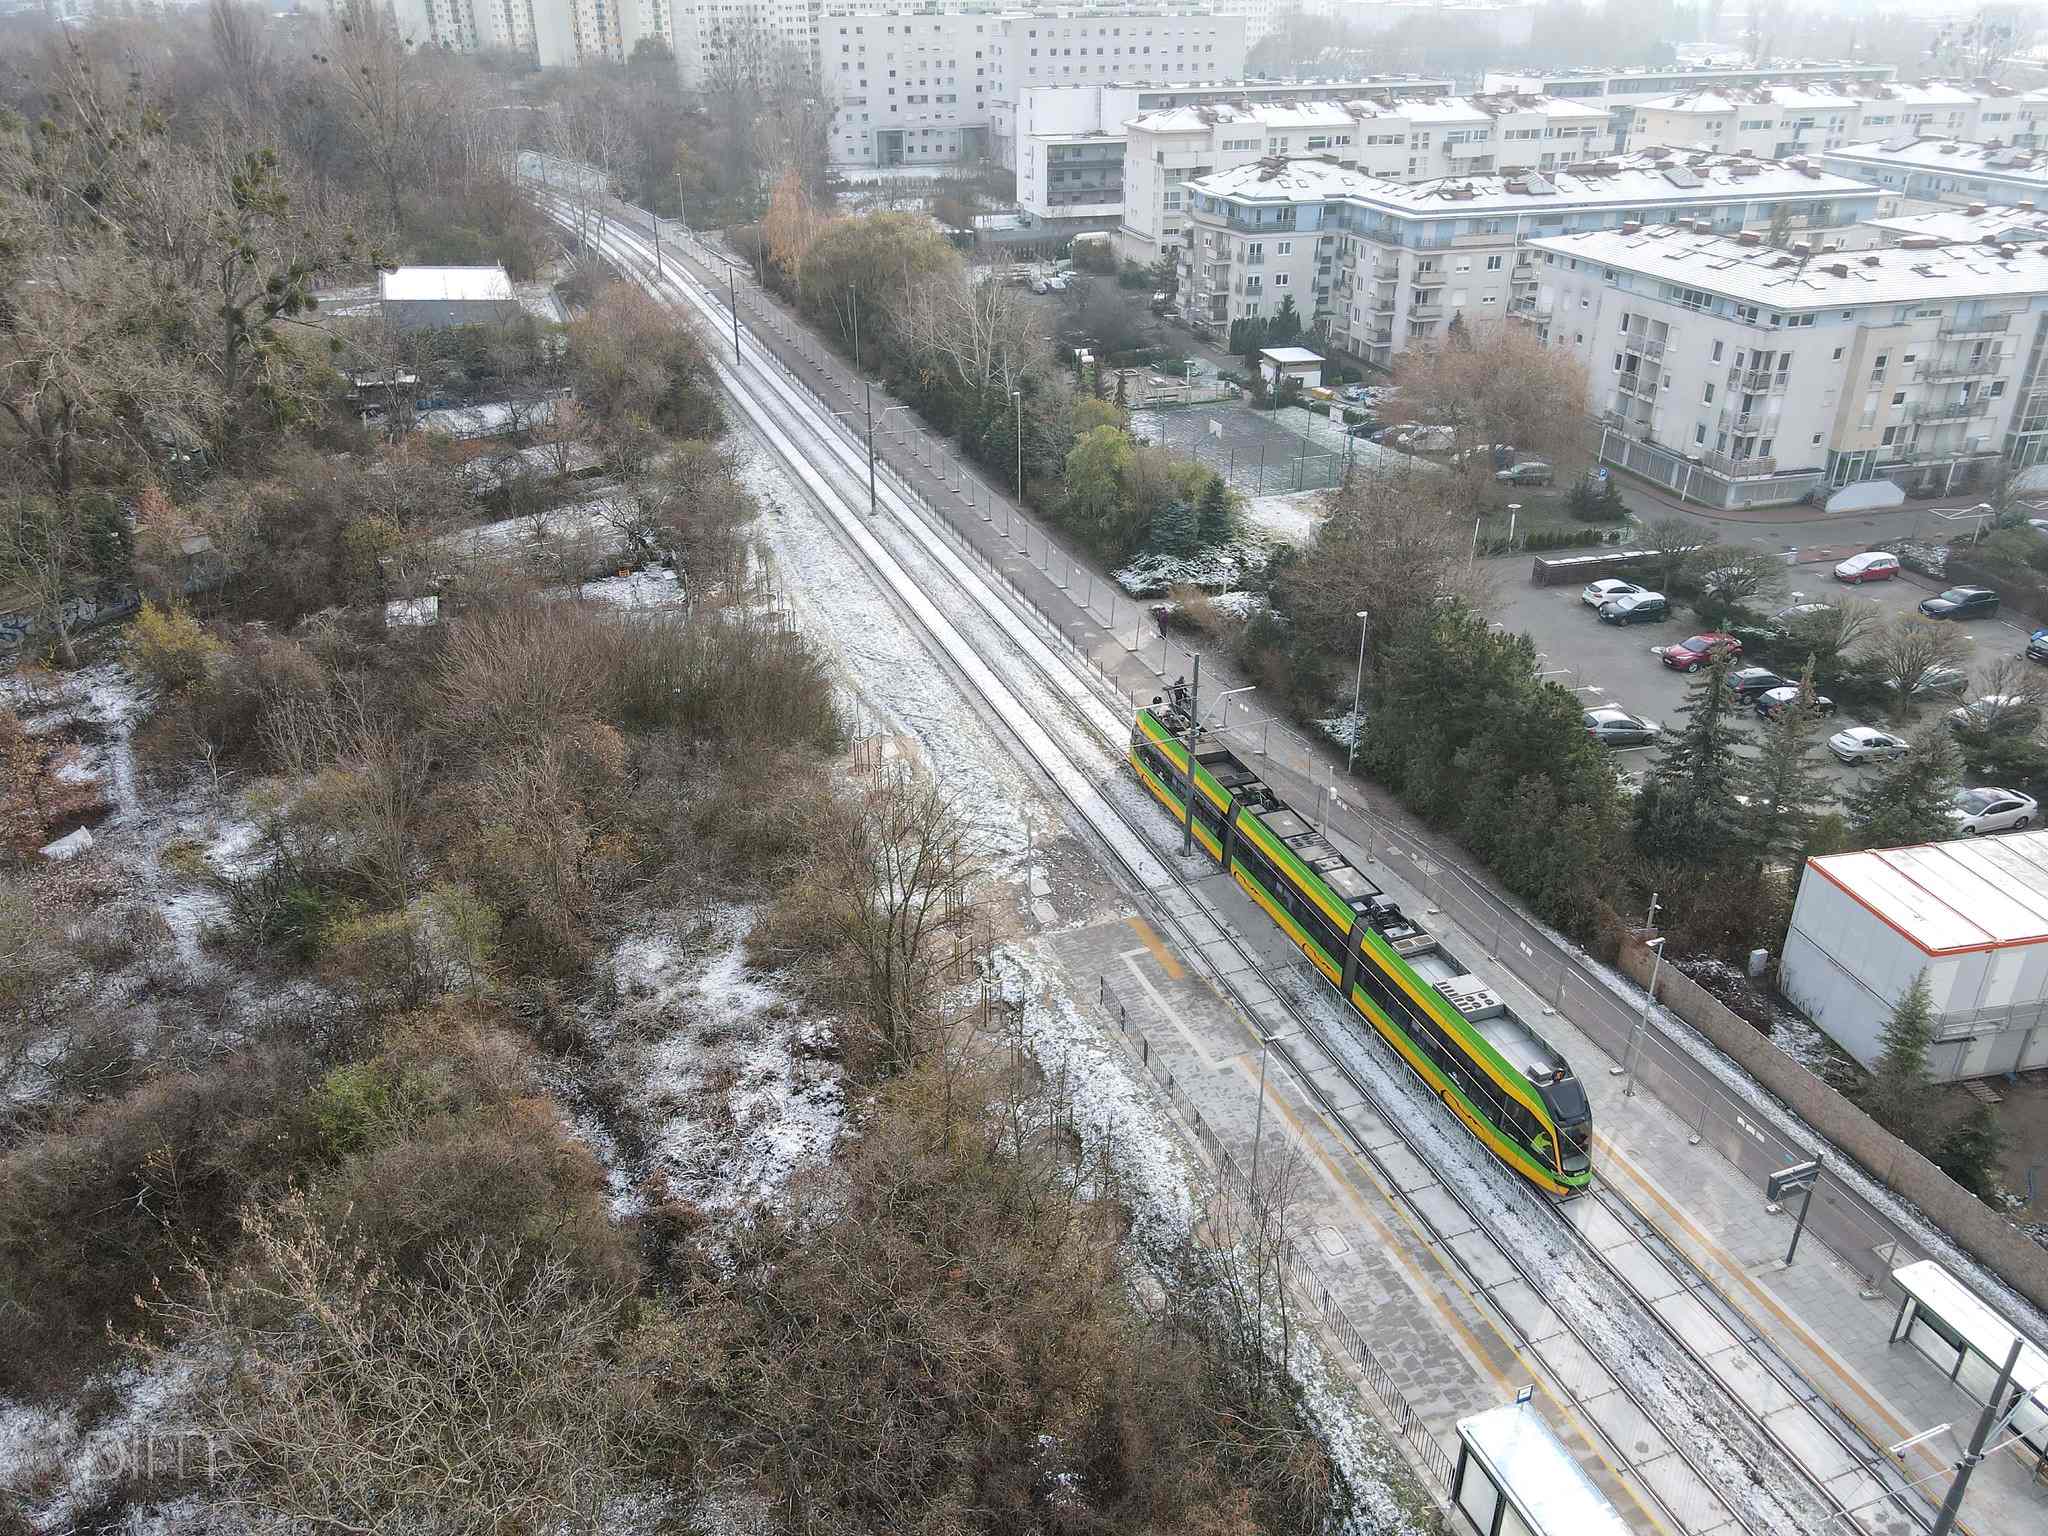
1751,683
1613,727
1961,603
1636,608
2037,645
1768,704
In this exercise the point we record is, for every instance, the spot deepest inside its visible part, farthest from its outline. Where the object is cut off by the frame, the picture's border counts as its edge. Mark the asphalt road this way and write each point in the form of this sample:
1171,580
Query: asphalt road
1611,664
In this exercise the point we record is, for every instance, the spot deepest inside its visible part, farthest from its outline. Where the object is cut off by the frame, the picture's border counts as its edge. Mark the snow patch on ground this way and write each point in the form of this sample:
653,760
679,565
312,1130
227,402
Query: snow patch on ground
1290,519
729,1088
1218,568
58,1469
654,590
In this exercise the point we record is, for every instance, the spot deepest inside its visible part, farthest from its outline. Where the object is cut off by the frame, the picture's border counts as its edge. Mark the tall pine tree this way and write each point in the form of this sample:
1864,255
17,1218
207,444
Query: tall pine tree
1908,801
1782,784
1899,1093
1217,520
1687,811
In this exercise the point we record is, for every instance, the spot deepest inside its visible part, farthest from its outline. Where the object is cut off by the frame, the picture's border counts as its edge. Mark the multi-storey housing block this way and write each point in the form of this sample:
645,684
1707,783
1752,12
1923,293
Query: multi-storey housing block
1739,373
1374,265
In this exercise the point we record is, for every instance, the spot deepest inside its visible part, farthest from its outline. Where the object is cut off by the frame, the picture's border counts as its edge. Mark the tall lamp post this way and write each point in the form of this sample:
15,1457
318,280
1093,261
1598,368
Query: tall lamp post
1357,693
1018,396
1628,1089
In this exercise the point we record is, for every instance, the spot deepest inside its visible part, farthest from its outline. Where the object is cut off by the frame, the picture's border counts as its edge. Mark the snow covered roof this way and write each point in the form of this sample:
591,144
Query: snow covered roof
1289,357
1530,1464
1962,157
1651,177
1752,271
476,285
1951,898
2006,222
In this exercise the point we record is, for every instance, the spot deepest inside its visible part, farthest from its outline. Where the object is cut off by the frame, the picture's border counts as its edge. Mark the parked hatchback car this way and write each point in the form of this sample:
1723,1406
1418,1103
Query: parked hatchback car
1961,603
1866,744
1636,608
1773,701
1691,654
2037,645
1613,727
1751,683
1873,565
1937,680
1596,594
1991,810
1528,472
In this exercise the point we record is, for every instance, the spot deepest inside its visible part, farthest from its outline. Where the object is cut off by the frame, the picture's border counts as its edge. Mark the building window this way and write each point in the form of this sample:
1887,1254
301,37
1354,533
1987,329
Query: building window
1707,398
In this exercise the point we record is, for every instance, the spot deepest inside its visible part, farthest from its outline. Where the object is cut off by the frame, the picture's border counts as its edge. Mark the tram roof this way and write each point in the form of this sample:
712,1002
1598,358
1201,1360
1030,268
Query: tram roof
1531,1466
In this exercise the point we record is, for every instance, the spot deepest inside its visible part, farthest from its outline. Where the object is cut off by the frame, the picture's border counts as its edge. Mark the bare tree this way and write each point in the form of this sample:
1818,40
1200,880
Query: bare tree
374,67
1731,579
1908,649
1836,629
896,853
349,1397
1495,383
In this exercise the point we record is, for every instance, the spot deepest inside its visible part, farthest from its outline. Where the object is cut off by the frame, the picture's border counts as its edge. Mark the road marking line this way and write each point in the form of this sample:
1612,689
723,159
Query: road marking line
1171,1015
1151,940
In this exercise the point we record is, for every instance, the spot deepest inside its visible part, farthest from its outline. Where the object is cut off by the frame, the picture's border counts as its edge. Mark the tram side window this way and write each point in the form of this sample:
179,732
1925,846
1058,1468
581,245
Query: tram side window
1511,1523
1478,1499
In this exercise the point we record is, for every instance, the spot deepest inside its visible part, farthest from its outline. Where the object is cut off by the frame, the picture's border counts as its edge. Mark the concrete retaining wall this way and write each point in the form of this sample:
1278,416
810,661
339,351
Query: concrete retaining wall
2022,1264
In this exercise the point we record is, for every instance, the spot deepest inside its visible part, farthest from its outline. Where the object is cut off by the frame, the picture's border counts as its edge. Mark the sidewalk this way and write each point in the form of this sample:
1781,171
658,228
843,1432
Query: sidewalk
1705,1197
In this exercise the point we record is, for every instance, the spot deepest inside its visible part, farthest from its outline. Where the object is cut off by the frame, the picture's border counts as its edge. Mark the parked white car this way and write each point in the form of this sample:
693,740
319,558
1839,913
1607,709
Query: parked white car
1991,810
1867,744
1597,594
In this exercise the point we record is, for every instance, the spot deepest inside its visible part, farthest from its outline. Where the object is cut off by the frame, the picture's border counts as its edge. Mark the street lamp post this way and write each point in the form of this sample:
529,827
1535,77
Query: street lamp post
1018,396
1357,694
657,244
1628,1089
732,290
1514,511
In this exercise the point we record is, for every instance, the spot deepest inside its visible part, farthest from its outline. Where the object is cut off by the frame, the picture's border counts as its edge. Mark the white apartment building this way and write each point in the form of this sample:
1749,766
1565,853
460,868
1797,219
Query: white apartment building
1399,138
920,88
1946,170
1781,120
1106,108
1621,91
1374,265
1737,373
1973,224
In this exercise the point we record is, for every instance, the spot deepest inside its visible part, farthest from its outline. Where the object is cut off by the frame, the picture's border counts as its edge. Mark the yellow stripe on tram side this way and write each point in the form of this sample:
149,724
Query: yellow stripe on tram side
1288,926
1177,753
1174,803
1513,1153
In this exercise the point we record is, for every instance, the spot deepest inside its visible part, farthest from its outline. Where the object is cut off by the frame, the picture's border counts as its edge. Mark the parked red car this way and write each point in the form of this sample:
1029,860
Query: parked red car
1691,655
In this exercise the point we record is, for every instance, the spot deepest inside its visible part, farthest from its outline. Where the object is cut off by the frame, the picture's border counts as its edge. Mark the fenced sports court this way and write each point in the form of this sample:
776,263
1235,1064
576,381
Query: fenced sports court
1266,453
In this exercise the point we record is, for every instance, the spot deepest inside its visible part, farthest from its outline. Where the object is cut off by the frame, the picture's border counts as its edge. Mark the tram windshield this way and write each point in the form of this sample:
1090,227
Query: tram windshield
1574,1116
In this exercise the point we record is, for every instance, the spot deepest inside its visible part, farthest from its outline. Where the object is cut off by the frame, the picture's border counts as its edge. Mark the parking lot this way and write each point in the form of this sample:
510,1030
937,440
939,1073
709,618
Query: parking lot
1613,664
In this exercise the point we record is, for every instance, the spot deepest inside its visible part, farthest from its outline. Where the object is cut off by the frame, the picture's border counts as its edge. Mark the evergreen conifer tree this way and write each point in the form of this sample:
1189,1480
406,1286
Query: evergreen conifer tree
1687,812
1216,519
1782,783
1899,1090
1908,801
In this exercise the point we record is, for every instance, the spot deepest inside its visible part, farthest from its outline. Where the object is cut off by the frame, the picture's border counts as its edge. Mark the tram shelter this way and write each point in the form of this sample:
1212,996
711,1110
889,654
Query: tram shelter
1968,1342
1515,1478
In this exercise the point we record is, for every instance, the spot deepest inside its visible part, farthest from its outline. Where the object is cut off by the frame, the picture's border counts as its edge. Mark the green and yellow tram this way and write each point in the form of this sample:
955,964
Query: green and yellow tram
1497,1075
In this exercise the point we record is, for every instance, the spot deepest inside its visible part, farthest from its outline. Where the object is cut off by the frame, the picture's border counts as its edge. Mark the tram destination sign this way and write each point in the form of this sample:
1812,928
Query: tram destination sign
1790,1181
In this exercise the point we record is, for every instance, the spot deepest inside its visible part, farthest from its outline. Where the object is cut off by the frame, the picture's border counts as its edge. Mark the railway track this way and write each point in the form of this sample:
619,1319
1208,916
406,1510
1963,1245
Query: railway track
1616,1347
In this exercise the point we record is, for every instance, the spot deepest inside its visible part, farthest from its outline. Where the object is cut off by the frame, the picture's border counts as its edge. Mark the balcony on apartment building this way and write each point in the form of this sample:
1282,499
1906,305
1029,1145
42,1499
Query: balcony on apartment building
1946,410
1642,384
1279,223
1646,347
1989,362
1531,304
1983,325
1757,381
1743,421
1739,466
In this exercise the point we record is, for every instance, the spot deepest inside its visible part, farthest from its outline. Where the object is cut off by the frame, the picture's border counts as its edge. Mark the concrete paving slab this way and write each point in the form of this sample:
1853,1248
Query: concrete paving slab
1483,1258
1627,1427
1575,1369
1686,1499
1443,1212
1758,1389
1643,1270
1699,1328
1405,1169
1597,1223
1816,1449
1530,1313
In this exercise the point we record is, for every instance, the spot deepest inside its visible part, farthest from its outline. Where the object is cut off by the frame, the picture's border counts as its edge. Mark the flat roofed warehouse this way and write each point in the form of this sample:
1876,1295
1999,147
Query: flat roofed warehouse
1972,914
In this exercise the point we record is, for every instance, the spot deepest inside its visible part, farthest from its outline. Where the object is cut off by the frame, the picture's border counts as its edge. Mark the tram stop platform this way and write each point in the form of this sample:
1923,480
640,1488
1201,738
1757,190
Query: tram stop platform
1450,1333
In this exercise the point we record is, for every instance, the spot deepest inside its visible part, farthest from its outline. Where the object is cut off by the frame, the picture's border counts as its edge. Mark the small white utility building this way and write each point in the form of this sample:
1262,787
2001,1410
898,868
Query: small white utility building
1972,913
1277,363
415,298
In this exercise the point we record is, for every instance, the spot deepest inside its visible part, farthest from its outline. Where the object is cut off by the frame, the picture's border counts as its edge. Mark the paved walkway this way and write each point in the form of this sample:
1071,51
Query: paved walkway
1705,1196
